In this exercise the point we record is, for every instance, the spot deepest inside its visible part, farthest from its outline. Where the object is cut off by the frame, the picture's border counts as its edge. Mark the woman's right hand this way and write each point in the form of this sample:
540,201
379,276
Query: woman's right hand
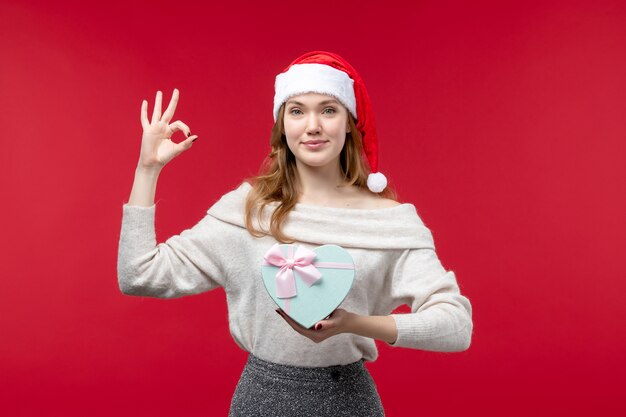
157,147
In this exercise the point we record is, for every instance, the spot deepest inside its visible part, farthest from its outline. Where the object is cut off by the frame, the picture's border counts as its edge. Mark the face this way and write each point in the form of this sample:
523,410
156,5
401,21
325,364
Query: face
316,127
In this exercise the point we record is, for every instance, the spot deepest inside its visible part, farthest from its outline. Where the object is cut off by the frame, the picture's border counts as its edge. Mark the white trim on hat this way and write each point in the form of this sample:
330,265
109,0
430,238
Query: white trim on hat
314,78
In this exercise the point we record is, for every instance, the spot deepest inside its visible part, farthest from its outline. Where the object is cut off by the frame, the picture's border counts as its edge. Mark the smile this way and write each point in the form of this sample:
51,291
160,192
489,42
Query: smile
315,144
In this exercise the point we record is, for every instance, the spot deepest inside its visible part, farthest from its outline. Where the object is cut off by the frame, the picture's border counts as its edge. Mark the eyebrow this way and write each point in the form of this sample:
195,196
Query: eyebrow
320,104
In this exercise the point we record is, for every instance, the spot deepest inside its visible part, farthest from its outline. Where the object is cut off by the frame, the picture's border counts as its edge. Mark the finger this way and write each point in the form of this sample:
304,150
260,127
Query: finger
186,144
156,114
178,125
169,112
144,114
291,321
324,324
286,319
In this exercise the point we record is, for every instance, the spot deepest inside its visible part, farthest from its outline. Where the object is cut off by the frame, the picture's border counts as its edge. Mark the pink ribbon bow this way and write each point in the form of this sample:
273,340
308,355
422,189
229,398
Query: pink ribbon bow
301,262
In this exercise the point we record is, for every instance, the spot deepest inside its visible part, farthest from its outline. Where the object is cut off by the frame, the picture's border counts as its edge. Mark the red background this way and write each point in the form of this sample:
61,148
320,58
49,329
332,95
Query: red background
503,122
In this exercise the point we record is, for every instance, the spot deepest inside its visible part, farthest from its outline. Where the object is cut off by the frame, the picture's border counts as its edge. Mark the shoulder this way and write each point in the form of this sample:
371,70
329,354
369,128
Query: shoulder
232,202
386,202
375,202
370,200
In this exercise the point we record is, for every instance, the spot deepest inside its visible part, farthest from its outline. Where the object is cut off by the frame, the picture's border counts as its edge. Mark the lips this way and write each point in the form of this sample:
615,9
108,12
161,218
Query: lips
315,144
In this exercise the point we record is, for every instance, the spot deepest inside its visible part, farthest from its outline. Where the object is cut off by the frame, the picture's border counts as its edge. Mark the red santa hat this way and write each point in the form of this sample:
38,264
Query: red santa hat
328,73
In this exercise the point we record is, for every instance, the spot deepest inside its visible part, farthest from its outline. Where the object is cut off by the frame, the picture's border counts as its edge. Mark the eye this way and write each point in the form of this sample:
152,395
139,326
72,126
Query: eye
292,110
331,109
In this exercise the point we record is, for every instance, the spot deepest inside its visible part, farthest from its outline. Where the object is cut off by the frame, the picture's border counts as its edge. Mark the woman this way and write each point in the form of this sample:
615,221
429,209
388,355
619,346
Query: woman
314,189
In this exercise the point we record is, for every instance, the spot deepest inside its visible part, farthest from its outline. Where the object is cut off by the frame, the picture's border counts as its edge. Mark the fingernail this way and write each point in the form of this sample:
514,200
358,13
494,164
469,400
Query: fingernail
318,326
188,134
195,139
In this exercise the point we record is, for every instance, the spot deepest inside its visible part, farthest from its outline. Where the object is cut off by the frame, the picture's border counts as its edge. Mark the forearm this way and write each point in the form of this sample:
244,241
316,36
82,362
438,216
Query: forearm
144,187
376,327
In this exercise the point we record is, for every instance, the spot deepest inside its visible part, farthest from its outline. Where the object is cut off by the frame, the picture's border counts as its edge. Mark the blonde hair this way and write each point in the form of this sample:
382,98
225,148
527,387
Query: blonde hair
276,181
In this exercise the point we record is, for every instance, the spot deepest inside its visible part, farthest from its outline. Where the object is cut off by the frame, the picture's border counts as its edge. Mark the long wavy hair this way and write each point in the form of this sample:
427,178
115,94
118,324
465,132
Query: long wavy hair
276,180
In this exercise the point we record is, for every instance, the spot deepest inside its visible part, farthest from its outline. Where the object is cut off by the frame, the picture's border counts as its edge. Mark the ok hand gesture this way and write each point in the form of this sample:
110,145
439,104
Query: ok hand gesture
157,147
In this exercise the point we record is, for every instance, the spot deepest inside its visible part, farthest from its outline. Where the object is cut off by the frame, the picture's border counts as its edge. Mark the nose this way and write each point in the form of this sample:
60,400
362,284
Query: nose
313,124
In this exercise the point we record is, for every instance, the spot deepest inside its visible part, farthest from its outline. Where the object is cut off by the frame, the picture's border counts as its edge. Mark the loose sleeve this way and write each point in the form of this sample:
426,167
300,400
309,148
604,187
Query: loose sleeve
185,264
440,318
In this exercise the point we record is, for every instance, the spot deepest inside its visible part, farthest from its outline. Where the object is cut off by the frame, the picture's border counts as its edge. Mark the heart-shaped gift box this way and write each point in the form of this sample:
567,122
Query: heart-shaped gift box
307,284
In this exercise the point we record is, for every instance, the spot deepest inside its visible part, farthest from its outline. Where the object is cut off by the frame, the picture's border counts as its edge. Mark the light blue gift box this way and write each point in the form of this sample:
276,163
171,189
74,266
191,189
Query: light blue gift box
314,303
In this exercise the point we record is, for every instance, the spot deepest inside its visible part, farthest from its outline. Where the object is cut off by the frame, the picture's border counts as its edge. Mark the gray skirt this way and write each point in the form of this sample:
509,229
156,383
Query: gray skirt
271,389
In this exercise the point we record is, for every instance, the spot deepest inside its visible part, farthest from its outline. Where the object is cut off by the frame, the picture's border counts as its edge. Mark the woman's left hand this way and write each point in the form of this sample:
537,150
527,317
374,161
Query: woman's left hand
338,322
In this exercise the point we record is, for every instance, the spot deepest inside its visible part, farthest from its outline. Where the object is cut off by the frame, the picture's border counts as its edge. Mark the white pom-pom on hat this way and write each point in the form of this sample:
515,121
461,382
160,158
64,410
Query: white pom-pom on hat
376,182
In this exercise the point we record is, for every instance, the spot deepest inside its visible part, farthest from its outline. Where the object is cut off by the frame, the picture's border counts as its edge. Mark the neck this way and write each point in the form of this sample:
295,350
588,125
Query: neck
319,183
